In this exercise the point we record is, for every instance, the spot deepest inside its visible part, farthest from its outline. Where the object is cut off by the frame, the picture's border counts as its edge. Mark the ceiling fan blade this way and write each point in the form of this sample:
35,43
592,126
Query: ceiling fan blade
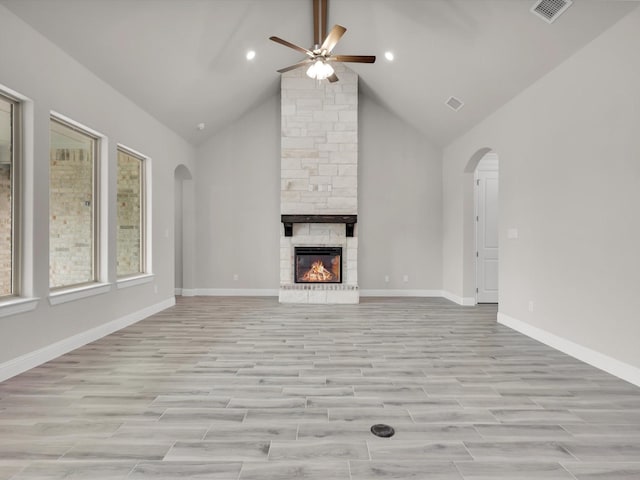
353,58
296,65
333,78
291,45
332,39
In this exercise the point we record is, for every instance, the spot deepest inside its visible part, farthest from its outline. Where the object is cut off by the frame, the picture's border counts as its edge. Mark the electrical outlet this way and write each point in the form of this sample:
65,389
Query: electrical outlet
155,289
405,278
235,277
386,278
531,305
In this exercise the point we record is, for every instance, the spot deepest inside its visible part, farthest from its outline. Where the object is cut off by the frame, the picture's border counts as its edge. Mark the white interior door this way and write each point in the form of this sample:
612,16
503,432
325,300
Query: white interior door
487,236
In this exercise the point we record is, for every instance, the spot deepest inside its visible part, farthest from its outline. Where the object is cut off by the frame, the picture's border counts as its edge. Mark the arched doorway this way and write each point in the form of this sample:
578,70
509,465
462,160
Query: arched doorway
183,216
484,165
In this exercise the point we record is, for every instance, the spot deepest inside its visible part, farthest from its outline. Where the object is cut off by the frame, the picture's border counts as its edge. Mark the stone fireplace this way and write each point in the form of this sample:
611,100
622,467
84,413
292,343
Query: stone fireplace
319,183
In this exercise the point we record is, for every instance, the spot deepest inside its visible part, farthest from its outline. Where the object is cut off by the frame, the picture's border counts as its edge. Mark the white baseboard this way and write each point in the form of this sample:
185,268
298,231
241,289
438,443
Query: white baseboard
400,293
596,359
230,292
30,360
177,291
464,301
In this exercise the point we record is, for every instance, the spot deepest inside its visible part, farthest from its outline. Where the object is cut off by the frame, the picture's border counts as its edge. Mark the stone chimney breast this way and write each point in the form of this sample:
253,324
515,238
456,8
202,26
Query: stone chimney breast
319,176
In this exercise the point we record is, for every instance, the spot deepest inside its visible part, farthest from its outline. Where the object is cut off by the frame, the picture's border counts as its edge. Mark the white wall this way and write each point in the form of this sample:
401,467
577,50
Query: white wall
400,204
52,80
238,204
569,149
178,233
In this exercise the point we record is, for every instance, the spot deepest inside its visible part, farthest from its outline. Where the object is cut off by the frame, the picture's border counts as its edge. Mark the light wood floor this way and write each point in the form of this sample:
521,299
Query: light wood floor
245,388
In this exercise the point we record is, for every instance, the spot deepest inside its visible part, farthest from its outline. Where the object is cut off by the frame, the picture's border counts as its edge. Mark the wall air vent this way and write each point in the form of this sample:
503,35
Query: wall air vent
550,10
454,103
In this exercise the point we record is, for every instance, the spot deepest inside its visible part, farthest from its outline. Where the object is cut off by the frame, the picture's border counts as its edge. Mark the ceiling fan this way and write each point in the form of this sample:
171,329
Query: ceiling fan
320,57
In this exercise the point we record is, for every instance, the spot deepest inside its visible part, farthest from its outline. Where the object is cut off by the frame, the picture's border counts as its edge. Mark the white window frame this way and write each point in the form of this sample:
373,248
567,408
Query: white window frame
21,298
146,276
15,165
100,283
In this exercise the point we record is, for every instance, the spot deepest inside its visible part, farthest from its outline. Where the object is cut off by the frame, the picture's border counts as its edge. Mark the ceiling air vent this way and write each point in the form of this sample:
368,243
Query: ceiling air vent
454,103
549,10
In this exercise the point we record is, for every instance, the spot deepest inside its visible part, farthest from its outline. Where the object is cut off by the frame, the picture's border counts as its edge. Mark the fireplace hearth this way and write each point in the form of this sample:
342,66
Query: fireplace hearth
318,265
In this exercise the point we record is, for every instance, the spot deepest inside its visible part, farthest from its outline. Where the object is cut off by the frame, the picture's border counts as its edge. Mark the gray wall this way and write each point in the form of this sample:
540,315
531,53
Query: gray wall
37,69
238,203
178,232
400,204
569,154
238,210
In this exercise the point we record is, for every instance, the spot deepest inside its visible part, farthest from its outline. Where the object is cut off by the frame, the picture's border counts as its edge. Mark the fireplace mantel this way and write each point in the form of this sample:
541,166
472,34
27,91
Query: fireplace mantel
348,220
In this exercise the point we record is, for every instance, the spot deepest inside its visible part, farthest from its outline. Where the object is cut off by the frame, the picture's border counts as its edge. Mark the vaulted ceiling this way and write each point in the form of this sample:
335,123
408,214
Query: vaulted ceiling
184,61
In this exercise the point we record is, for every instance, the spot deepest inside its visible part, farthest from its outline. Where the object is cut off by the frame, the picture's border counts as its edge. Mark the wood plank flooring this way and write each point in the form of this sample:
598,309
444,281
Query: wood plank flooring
246,388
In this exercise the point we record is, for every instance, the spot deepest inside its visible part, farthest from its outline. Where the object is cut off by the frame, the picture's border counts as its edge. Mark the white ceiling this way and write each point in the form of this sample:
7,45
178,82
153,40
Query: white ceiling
184,62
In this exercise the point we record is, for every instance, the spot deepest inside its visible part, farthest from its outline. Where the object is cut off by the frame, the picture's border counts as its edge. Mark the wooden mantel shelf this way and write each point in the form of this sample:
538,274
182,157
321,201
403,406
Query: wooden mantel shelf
348,220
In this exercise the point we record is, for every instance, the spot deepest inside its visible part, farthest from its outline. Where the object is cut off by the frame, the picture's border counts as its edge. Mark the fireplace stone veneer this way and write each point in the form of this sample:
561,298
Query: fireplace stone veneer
319,180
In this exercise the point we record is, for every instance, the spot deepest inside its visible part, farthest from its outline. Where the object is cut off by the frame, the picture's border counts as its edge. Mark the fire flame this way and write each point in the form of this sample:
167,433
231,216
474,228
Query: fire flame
317,273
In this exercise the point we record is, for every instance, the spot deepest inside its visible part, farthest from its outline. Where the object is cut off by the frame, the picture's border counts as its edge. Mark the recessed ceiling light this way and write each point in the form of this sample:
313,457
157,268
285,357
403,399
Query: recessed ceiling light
200,126
251,54
389,56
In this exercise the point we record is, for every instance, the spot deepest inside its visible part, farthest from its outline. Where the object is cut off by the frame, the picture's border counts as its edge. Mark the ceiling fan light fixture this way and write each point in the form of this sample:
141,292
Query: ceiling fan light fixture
320,56
320,70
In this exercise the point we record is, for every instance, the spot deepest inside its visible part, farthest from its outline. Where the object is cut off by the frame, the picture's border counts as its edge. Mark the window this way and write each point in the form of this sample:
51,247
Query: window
131,236
8,197
73,221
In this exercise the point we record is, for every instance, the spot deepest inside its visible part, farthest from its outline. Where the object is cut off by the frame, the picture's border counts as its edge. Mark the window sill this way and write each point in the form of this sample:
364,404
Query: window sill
127,282
76,293
17,305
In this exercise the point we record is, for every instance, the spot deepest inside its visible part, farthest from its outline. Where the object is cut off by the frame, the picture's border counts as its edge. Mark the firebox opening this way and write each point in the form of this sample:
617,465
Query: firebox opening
318,265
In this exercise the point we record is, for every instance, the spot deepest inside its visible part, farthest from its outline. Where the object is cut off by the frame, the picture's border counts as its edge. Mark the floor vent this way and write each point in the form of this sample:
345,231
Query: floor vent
454,103
382,430
550,10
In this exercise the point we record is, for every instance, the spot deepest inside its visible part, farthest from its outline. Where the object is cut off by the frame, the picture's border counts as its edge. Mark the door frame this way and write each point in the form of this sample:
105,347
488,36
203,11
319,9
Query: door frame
488,163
